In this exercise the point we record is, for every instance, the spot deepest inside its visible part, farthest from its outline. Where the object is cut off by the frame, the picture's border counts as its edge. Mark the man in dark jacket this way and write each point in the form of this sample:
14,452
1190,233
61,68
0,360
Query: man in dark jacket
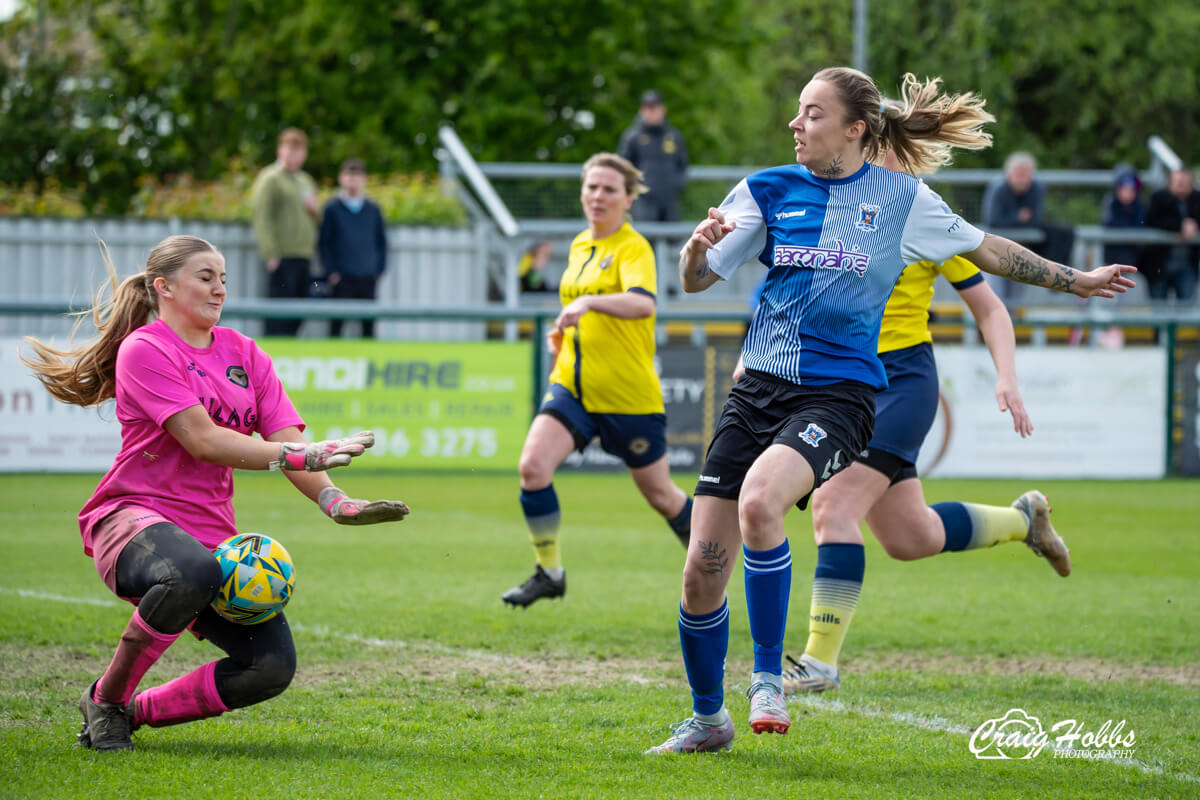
353,243
1167,267
656,148
1017,199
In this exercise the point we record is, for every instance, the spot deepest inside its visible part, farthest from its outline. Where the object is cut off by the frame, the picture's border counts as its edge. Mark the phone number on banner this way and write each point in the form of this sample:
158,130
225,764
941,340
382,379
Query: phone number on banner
428,442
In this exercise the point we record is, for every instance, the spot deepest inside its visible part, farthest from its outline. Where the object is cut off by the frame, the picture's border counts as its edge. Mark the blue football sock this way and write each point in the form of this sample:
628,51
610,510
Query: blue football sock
681,523
704,639
957,522
768,586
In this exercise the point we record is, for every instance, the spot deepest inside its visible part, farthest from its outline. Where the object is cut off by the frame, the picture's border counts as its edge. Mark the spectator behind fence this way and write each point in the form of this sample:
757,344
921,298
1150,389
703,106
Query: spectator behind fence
1175,208
284,206
1123,209
1017,199
353,243
657,148
531,269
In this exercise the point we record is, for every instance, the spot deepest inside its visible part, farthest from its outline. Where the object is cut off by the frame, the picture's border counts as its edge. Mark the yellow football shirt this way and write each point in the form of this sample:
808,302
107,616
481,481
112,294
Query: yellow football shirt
607,362
906,316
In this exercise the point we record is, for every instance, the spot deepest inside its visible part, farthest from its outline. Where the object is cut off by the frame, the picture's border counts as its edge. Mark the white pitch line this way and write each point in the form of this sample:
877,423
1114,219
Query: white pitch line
58,598
313,630
399,644
923,721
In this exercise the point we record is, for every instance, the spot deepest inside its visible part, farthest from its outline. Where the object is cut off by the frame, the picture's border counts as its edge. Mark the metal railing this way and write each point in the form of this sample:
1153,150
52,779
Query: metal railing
732,174
667,237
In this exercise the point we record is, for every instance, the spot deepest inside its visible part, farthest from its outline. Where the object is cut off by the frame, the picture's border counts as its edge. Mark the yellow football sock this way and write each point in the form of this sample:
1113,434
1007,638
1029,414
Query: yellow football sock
545,549
542,515
993,525
833,604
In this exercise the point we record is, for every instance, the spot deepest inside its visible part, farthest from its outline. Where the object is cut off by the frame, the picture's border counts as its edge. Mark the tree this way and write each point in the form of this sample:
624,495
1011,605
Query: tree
193,86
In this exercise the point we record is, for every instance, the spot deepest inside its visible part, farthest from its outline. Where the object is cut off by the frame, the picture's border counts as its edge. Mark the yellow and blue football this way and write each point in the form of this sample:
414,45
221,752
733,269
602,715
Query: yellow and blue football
257,578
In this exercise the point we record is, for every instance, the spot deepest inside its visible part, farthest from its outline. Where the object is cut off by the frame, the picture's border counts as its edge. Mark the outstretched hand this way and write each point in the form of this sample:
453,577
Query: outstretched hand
1104,281
1009,399
320,456
349,511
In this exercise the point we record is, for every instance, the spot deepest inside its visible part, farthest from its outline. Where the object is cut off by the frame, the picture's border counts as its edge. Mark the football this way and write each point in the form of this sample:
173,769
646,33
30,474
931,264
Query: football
257,578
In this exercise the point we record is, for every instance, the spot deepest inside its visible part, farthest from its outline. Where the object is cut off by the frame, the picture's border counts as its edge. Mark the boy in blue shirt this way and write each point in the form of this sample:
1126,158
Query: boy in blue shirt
353,243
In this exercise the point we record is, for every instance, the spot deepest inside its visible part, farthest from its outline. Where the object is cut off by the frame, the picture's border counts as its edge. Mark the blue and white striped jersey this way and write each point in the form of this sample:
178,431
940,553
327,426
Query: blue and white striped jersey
833,251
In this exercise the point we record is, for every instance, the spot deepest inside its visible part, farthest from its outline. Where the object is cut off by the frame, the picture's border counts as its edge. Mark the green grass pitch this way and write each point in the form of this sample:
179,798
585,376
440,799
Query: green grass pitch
415,681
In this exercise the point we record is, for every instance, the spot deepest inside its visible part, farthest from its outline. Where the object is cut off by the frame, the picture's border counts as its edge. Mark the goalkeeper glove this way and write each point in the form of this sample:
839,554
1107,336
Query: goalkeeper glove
348,511
320,456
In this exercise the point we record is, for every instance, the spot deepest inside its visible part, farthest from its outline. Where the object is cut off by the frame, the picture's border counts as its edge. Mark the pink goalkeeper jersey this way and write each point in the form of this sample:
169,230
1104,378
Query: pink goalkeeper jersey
159,375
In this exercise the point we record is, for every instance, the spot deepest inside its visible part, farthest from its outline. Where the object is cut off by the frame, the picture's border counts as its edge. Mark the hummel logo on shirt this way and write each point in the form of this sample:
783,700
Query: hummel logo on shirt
711,478
787,214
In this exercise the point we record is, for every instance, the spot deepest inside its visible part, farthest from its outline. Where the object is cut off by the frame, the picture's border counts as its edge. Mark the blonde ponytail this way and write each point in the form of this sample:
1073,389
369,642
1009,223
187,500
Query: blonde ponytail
922,128
86,375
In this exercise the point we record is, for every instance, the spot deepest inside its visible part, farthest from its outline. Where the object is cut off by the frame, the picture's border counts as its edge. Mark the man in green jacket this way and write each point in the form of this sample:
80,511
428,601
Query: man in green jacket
285,214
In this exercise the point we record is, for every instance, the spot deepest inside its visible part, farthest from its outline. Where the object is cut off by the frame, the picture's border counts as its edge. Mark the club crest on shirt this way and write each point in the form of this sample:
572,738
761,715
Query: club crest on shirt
237,376
867,215
606,263
813,434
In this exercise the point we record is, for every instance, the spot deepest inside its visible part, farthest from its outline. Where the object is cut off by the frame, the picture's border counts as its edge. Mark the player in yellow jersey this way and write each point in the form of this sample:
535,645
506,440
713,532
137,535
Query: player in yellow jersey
603,383
882,486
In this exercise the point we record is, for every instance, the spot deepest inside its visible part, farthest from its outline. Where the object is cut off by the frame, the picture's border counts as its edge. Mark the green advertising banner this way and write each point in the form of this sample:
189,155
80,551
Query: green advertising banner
432,405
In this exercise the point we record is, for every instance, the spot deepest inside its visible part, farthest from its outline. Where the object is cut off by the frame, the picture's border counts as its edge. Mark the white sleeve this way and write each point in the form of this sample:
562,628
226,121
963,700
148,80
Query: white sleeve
935,233
746,240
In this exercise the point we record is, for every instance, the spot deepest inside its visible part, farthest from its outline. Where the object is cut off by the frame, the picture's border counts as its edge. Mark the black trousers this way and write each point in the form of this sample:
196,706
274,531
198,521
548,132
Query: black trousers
177,578
354,289
655,208
288,281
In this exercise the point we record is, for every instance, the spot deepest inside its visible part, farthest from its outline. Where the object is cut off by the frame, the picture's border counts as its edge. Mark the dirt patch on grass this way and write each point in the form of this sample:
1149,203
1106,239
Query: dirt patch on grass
546,672
38,670
437,663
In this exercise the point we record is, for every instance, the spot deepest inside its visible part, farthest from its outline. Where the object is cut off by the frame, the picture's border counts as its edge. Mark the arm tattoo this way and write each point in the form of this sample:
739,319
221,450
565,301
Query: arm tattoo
834,169
687,275
1028,267
1064,279
1022,265
715,558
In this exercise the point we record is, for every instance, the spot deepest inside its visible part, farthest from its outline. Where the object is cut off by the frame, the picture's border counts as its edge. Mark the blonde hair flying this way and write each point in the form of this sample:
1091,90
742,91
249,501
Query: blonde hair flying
923,127
86,375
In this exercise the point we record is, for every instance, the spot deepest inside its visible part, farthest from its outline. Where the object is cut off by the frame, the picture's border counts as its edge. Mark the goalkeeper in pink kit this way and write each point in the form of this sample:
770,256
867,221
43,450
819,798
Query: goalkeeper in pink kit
189,395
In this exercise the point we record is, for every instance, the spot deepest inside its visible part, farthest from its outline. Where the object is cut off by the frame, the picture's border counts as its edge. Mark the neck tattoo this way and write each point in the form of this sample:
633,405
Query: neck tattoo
833,169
